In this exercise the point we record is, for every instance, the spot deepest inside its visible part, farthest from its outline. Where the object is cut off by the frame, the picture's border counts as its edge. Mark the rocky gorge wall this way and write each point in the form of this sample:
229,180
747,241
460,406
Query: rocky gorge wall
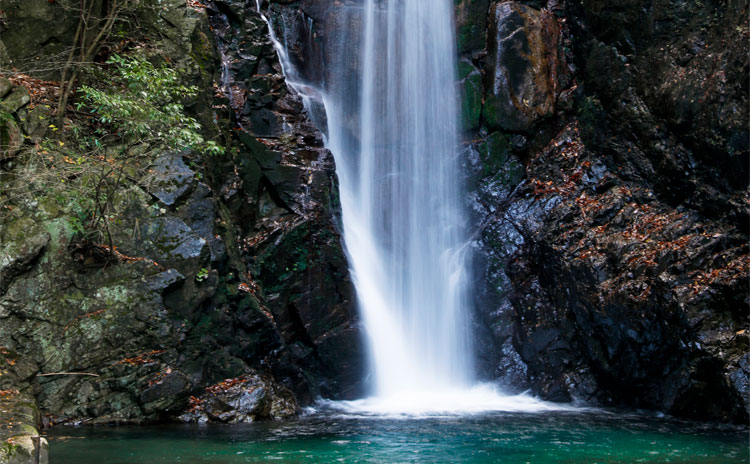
228,298
609,152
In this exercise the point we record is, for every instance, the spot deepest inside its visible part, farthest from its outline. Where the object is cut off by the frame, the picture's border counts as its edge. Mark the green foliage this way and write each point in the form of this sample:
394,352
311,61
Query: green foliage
202,275
90,165
5,116
142,102
78,206
8,449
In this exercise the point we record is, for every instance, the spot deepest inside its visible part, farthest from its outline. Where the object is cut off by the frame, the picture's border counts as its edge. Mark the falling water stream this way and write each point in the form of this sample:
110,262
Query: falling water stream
392,120
401,200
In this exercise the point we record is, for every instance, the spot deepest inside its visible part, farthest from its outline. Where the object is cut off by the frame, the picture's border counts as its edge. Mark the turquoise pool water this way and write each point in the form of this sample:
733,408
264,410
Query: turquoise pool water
551,437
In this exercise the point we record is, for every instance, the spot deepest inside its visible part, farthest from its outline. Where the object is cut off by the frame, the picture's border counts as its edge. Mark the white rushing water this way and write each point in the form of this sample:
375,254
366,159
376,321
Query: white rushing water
392,118
401,200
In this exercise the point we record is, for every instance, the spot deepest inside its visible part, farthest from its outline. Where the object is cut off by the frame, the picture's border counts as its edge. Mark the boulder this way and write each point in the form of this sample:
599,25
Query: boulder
16,99
521,67
172,178
166,391
240,400
34,122
11,137
169,240
5,86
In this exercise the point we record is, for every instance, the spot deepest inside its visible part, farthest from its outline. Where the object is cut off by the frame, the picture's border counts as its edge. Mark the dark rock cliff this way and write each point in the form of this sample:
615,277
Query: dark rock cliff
229,275
610,165
283,201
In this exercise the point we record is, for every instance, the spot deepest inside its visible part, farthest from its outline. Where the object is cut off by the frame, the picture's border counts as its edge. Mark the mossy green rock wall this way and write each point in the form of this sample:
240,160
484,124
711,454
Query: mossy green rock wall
224,268
20,441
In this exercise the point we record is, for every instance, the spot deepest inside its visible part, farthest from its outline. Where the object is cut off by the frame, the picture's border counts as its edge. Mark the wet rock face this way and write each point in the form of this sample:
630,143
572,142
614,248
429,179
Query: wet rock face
471,24
19,415
614,265
228,267
284,201
521,67
242,400
613,278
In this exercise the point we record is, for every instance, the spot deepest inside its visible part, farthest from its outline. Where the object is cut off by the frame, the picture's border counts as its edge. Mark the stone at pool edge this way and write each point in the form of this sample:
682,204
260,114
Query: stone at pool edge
25,451
19,411
242,400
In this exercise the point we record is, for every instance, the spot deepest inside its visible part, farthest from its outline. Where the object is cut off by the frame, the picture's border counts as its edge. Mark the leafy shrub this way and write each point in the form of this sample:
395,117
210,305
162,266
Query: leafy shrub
142,102
130,111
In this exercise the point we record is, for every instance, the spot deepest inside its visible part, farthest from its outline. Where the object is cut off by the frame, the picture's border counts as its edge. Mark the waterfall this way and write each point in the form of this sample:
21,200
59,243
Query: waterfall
401,197
389,92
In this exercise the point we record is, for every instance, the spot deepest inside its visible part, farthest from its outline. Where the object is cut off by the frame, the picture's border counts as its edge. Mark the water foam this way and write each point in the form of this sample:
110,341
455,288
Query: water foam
479,399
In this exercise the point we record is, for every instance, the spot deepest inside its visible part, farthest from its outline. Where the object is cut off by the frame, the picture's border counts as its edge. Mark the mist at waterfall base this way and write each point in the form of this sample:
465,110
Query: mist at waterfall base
392,123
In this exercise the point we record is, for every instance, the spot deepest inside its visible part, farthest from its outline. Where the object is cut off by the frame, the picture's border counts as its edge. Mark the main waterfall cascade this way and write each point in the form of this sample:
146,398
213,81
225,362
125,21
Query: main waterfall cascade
400,196
392,119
